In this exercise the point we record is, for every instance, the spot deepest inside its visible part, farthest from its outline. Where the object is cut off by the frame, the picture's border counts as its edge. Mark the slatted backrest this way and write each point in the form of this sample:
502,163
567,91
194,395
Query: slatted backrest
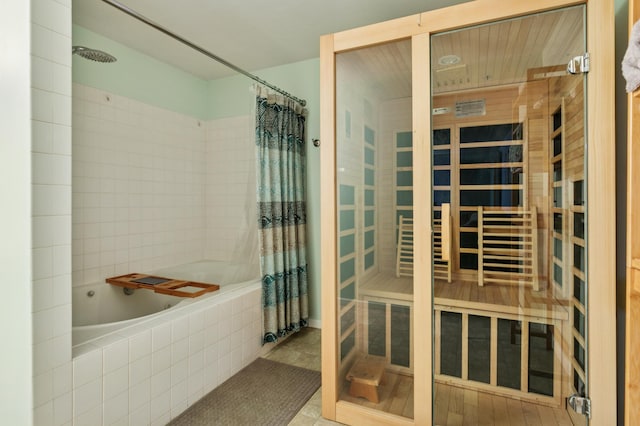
404,254
442,245
508,247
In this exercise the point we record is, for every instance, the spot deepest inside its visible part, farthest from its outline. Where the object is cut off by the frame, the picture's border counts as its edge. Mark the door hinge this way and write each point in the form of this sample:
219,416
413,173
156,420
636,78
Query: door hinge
579,64
580,405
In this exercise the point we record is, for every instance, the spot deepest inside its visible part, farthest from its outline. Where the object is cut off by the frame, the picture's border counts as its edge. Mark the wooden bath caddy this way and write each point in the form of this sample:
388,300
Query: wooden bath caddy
162,285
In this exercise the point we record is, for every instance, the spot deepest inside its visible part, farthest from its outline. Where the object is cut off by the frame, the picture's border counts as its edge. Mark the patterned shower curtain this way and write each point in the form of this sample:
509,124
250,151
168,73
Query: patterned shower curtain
280,142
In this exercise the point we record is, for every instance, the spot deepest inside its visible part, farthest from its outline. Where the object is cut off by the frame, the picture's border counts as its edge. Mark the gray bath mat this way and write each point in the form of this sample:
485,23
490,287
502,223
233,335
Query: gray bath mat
263,393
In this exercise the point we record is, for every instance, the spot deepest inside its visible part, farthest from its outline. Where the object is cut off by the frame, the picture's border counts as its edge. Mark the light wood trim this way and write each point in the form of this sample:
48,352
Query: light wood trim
422,201
479,12
439,20
446,235
601,202
493,360
632,315
354,414
382,32
438,341
524,356
534,249
480,247
328,252
465,347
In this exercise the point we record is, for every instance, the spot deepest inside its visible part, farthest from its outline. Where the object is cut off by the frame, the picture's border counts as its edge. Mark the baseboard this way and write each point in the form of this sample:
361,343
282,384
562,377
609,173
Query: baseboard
315,323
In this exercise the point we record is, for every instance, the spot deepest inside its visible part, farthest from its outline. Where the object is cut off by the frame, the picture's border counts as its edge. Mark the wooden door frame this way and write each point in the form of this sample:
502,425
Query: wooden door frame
632,332
600,199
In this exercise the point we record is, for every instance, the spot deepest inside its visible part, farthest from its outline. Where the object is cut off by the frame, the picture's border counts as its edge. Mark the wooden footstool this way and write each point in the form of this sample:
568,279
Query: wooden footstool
365,375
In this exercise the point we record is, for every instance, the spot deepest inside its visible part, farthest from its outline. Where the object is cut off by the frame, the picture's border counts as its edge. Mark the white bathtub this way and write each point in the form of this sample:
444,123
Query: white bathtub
100,309
149,369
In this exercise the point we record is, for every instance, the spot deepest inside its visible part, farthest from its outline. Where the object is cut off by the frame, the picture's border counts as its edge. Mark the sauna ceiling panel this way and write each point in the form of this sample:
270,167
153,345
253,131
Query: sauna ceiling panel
479,57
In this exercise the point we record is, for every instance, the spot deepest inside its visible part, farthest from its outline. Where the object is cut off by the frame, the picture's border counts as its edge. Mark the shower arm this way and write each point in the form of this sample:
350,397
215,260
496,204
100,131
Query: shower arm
138,16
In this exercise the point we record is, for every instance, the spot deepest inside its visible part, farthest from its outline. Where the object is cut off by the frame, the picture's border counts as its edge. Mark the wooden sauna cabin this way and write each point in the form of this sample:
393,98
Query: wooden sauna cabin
456,185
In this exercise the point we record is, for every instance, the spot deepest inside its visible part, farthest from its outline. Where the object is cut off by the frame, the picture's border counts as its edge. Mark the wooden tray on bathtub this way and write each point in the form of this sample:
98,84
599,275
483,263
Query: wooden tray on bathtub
162,285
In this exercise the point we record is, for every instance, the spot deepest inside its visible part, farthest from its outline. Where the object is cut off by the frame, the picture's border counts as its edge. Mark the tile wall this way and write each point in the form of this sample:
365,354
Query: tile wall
51,210
138,186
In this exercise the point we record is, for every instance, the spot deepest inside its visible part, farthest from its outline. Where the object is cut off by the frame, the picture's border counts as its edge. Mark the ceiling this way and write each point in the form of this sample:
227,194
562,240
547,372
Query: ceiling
251,34
502,53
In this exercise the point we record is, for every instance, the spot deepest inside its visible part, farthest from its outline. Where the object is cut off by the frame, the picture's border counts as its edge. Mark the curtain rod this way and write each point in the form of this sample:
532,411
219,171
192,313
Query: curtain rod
205,52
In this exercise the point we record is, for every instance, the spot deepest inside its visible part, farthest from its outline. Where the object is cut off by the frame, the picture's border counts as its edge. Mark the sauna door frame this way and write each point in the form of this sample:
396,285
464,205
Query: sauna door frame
600,199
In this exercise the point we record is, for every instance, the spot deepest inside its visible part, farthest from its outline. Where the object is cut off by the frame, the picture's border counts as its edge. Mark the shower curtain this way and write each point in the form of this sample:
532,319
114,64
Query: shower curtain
280,144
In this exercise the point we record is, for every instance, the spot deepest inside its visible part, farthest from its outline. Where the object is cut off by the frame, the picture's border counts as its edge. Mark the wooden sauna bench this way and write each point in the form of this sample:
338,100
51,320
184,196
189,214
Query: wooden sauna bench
506,299
386,285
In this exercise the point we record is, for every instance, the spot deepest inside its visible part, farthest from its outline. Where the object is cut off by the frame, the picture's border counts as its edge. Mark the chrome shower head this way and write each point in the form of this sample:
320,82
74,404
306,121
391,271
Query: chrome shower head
92,54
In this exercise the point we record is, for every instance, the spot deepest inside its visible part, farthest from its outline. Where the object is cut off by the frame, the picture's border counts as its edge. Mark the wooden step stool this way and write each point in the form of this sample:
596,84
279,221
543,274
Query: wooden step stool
365,375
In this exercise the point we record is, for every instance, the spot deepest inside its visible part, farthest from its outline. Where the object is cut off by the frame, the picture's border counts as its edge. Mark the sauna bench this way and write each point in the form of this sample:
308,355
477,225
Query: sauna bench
386,285
162,285
467,295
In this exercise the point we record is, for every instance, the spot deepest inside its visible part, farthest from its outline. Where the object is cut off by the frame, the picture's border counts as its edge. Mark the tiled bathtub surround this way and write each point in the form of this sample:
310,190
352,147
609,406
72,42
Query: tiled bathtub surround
153,188
138,186
151,372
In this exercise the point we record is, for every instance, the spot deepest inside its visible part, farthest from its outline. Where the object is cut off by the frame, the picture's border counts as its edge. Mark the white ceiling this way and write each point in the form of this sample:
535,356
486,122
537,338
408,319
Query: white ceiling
251,34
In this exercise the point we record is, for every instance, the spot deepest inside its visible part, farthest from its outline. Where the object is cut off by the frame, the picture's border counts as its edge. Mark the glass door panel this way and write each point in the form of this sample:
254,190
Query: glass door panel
508,176
374,178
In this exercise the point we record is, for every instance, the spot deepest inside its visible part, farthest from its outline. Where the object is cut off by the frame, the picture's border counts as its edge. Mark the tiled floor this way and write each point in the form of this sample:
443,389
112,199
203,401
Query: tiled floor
303,350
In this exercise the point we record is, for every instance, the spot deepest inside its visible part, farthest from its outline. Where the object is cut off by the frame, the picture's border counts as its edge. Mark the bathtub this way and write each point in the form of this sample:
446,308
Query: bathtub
148,356
100,308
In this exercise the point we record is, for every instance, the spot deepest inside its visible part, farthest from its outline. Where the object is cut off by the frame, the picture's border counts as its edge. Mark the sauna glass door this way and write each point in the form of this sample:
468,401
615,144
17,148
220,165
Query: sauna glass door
509,220
374,229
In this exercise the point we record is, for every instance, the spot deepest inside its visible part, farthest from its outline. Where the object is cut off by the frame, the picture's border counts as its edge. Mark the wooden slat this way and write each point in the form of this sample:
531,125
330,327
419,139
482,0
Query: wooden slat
504,237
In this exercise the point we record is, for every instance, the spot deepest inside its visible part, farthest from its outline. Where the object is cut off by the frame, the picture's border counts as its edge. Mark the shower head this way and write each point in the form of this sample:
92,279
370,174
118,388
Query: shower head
92,54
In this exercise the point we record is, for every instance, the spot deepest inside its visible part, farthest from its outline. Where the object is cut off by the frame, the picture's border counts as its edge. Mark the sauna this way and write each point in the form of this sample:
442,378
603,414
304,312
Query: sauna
464,153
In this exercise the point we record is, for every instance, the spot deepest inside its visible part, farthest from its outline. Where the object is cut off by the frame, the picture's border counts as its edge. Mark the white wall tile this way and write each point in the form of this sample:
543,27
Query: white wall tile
140,395
116,382
141,416
63,380
160,336
195,389
140,345
92,417
179,398
87,397
60,349
87,368
116,408
63,409
179,371
43,388
179,350
160,383
116,356
161,360
160,408
179,329
43,414
140,370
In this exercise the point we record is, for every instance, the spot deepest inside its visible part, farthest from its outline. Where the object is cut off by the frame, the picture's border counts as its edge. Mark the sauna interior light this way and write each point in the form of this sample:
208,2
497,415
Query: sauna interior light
449,60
